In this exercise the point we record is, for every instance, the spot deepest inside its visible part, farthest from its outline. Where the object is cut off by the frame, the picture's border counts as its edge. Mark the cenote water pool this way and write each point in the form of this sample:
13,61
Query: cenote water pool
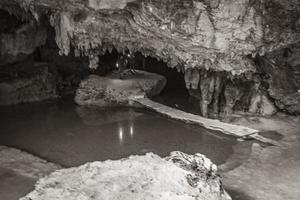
70,135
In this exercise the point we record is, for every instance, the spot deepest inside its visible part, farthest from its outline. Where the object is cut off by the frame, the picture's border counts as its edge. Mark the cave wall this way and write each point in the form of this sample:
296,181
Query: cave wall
19,38
211,34
215,43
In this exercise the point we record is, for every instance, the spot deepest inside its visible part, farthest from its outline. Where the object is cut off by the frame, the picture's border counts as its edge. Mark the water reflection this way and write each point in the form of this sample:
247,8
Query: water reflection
131,130
102,134
121,133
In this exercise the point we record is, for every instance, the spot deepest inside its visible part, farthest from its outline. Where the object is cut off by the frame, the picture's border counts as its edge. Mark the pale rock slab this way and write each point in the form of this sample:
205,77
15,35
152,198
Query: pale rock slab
149,177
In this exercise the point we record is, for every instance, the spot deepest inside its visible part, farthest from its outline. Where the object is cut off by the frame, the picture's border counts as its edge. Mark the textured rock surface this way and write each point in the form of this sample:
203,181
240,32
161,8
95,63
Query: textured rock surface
282,69
204,34
179,176
19,171
198,37
111,90
19,39
35,85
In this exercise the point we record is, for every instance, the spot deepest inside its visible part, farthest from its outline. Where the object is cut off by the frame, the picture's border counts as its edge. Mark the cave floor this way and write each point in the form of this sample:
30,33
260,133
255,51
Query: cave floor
269,172
14,185
19,171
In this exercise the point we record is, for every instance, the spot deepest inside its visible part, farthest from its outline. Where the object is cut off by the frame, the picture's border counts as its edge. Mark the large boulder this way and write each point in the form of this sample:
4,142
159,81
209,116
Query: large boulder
111,90
33,84
177,177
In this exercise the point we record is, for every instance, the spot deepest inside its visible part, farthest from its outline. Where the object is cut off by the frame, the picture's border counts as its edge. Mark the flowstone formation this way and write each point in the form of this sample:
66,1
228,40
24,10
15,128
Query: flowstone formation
149,177
230,51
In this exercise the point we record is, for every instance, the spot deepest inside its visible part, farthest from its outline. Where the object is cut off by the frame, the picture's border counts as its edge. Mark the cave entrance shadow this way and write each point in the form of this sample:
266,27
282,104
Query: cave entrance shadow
175,94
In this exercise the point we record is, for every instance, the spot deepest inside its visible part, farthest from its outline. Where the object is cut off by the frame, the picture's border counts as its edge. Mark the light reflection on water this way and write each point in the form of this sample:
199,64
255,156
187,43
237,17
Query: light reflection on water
131,130
121,134
125,132
72,135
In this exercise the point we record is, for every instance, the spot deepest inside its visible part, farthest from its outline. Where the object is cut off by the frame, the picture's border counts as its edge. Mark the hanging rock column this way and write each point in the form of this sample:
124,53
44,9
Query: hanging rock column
218,88
207,85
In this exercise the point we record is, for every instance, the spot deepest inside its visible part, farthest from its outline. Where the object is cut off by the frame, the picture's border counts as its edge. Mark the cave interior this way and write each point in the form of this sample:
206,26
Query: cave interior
72,74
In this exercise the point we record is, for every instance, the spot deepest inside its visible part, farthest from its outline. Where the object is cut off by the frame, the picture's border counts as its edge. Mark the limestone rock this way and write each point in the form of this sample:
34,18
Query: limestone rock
111,90
213,35
262,105
149,177
188,33
282,78
17,42
36,85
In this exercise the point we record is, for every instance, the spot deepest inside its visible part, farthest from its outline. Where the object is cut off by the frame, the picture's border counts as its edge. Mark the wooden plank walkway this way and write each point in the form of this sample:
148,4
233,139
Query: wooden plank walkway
211,124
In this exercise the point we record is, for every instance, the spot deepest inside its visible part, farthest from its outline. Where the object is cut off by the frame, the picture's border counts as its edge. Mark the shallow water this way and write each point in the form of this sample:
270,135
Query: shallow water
70,135
13,185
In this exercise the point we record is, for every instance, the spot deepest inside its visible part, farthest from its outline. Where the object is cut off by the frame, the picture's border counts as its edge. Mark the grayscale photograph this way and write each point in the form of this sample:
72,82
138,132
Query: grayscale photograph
149,99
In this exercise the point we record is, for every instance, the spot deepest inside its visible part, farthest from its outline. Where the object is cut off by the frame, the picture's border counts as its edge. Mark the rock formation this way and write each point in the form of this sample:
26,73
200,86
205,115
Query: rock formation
179,176
34,84
220,45
111,90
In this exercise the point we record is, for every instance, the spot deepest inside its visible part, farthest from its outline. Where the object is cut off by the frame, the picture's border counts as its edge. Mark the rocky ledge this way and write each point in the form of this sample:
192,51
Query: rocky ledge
111,90
179,176
34,83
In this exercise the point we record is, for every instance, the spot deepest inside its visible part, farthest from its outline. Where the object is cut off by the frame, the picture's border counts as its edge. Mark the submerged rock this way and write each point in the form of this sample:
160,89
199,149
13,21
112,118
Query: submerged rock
110,90
179,176
95,116
24,163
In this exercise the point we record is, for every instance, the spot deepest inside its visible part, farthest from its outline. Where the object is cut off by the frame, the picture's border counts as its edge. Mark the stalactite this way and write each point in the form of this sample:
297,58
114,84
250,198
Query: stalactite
218,86
192,78
207,85
63,25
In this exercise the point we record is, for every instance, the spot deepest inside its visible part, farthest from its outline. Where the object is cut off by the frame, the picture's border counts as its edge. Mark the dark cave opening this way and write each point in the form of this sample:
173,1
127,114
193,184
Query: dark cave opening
8,22
175,93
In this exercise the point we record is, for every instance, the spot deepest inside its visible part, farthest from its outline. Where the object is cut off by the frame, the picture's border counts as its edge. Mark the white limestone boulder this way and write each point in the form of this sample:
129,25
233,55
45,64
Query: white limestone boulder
111,90
149,177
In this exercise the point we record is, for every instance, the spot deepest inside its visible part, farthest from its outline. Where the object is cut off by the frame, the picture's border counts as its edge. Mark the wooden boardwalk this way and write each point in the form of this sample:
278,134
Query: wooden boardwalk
211,124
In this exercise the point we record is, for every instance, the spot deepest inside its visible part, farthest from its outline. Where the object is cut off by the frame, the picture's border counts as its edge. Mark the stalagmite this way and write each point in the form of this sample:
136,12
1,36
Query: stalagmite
232,94
93,61
259,102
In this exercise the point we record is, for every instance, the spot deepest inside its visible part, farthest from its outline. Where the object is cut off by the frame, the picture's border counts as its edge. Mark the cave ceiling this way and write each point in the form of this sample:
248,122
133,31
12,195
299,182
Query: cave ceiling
221,35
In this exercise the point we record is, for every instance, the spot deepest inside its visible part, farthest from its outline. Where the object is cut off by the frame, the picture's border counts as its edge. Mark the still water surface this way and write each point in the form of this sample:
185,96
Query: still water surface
70,135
